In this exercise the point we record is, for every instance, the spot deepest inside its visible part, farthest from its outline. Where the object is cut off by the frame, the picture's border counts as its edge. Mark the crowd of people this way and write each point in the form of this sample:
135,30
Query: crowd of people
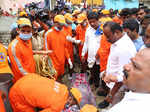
112,45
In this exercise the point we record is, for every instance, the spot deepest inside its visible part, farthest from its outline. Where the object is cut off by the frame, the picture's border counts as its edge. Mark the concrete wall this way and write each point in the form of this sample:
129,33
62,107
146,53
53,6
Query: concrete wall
5,23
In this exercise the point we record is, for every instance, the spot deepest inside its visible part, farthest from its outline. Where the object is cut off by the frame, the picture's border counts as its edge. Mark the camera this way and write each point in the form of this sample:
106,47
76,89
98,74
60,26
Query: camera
39,13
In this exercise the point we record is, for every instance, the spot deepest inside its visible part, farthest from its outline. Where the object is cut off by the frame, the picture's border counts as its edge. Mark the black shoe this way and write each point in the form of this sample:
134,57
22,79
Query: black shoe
101,93
103,104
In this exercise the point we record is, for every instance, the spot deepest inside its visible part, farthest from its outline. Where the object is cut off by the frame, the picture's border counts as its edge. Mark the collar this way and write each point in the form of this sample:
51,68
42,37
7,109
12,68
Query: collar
120,40
25,42
138,39
99,31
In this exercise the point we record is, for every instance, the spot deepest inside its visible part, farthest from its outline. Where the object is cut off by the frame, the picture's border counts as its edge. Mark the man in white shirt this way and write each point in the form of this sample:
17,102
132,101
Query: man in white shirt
138,81
91,45
121,51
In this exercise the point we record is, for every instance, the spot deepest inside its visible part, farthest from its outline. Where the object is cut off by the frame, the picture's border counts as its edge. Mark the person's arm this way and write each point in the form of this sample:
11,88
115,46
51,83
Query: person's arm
123,58
85,46
44,26
68,56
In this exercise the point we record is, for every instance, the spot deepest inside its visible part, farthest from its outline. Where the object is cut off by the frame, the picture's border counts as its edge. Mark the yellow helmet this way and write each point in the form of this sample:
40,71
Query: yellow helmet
23,13
105,12
69,17
24,22
77,94
60,19
76,12
88,108
81,18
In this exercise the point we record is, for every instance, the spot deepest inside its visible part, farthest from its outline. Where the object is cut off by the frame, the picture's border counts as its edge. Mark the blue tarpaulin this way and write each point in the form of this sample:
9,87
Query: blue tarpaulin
120,4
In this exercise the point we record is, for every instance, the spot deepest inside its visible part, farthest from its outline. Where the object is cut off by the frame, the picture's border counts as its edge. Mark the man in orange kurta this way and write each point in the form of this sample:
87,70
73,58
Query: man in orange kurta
33,92
55,40
20,50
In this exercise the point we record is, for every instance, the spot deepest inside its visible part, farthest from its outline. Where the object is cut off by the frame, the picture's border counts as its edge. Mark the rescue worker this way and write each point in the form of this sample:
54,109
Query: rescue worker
80,31
20,50
2,107
67,29
68,32
4,68
103,54
34,92
55,40
75,15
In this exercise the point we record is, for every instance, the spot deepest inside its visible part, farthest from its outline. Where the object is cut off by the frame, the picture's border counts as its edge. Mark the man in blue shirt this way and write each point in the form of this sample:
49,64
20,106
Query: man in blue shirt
131,26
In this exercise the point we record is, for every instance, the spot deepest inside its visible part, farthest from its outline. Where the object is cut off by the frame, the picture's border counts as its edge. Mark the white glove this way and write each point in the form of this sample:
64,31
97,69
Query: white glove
70,39
90,65
77,41
70,63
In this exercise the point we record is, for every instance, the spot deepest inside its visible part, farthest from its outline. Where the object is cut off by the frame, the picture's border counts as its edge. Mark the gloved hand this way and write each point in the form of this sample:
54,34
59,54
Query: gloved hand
77,41
90,65
70,39
70,63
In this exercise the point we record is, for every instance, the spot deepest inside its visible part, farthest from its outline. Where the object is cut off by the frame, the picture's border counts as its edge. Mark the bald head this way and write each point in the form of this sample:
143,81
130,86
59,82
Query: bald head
139,72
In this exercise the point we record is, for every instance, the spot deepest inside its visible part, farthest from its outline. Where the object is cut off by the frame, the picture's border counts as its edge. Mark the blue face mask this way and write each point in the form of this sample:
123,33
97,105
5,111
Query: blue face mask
25,36
84,24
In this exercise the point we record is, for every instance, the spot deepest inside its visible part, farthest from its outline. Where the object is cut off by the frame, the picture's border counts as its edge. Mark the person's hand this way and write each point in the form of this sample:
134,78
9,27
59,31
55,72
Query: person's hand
110,78
102,75
70,39
77,41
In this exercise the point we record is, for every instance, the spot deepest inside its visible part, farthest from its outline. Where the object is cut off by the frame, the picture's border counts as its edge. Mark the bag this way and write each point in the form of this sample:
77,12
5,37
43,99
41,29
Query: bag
80,81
